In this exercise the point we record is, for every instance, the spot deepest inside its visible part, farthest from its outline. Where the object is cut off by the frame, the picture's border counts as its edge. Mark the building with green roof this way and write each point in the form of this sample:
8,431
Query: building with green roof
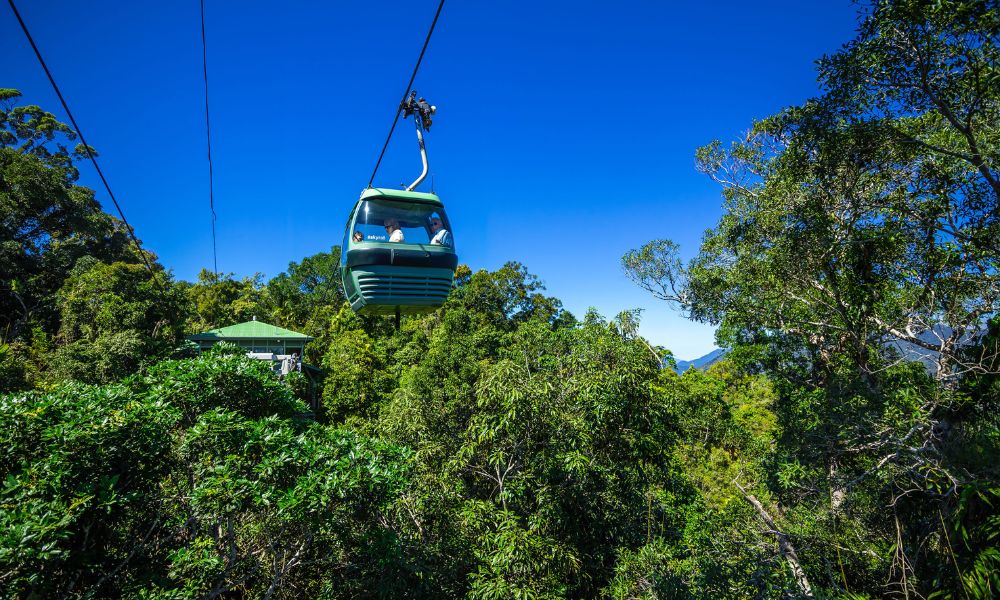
256,336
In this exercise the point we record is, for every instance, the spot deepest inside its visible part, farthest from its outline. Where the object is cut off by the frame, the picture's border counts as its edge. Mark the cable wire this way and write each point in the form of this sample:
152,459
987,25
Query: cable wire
407,92
83,140
208,136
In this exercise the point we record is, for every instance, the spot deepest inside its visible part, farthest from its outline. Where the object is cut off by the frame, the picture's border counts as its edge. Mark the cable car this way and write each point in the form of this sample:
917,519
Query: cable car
398,253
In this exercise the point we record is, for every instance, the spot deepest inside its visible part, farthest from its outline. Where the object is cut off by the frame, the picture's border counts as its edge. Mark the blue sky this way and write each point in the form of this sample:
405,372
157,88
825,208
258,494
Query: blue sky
564,137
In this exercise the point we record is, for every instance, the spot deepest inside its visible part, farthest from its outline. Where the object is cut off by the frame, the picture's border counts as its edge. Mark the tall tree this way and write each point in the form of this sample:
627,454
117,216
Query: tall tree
47,222
867,220
309,293
114,319
219,299
860,232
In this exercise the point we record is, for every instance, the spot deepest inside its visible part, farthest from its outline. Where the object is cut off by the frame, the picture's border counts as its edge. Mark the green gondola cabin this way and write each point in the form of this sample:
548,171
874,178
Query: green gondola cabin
399,253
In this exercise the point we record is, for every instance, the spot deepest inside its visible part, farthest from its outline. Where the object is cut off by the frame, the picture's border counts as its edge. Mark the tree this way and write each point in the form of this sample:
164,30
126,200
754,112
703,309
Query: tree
507,296
195,480
219,300
861,232
357,380
864,221
81,466
49,225
12,375
544,442
114,319
305,296
47,222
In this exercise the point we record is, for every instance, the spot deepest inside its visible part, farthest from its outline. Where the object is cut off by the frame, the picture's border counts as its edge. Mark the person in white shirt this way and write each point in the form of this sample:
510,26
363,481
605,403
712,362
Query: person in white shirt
392,228
441,235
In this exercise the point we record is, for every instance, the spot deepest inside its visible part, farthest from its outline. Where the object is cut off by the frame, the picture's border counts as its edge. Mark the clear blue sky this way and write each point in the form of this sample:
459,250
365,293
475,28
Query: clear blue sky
564,137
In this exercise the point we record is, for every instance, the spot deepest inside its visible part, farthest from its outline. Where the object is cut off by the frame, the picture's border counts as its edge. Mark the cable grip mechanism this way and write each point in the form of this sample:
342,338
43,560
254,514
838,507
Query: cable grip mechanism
422,113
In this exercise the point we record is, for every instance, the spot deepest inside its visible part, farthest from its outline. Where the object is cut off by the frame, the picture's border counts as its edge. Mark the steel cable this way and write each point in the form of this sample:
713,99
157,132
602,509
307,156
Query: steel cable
407,92
83,140
208,136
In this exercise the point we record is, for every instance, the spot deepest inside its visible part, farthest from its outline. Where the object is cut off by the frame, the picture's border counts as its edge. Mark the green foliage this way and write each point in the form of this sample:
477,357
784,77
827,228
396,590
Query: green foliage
218,300
51,232
646,574
864,216
231,382
190,481
12,376
263,499
299,385
308,293
30,130
80,467
515,562
859,231
657,268
547,441
972,539
498,454
113,320
356,379
506,297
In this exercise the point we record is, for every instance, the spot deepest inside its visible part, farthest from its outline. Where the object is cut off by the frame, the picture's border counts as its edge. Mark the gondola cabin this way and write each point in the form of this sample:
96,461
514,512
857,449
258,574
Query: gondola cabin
398,255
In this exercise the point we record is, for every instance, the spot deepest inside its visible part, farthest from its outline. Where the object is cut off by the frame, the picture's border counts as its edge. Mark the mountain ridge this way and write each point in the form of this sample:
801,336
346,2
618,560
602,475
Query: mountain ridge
702,362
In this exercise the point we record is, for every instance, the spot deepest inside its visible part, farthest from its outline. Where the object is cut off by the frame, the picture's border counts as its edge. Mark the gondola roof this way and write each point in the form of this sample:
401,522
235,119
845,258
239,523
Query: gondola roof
421,197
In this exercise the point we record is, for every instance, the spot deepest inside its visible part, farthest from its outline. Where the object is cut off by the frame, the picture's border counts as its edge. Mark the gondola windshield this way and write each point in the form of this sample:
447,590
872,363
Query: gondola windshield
378,221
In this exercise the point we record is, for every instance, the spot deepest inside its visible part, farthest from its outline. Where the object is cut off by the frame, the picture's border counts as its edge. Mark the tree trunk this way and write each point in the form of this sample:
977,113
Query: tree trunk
784,544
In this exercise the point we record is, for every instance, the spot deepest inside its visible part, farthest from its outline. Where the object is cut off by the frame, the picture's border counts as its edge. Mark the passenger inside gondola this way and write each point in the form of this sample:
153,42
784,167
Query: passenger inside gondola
395,233
441,235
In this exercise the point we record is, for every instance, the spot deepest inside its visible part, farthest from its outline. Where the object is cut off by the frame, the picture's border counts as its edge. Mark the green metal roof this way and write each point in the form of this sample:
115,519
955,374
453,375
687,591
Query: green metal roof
251,330
422,197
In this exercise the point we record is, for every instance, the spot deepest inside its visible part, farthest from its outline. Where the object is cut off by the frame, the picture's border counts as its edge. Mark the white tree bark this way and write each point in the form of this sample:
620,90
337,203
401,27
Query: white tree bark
784,544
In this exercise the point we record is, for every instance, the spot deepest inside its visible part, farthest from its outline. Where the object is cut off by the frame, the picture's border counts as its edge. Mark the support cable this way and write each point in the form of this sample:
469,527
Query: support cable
208,137
83,141
407,92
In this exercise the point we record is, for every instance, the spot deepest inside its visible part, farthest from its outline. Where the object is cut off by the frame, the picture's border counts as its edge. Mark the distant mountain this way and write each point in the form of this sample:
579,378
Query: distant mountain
904,350
934,336
703,362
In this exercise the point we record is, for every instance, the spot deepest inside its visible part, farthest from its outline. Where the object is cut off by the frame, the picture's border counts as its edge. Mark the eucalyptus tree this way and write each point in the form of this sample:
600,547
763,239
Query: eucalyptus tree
860,232
867,219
